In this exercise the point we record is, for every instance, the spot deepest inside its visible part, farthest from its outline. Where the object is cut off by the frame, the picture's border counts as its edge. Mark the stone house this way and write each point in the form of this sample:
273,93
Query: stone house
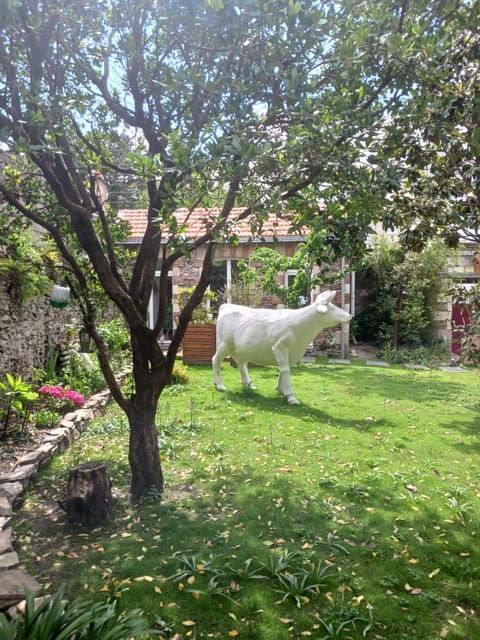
463,273
186,271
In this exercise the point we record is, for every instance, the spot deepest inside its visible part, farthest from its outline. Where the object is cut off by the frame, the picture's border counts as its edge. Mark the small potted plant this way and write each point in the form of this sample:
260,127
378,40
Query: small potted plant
199,340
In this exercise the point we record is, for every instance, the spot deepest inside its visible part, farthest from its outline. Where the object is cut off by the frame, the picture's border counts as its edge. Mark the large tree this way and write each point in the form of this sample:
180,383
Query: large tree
263,104
437,147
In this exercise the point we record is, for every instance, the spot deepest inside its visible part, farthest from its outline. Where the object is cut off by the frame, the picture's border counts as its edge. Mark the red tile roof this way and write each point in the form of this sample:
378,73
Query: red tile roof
199,220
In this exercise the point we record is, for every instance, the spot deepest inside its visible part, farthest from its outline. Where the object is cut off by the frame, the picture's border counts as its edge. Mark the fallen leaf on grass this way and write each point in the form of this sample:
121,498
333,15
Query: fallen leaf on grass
144,579
413,591
433,573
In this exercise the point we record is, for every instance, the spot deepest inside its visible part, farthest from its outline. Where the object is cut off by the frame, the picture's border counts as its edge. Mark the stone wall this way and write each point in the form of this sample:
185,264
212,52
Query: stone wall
28,332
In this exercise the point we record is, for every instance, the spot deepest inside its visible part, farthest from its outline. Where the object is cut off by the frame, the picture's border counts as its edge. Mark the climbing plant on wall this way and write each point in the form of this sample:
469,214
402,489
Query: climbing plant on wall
21,262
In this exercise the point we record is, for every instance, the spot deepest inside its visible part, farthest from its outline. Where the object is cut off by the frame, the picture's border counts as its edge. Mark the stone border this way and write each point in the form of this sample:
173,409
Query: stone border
13,485
451,368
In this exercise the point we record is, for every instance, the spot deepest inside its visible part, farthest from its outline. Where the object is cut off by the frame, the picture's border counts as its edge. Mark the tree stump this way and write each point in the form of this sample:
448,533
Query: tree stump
88,498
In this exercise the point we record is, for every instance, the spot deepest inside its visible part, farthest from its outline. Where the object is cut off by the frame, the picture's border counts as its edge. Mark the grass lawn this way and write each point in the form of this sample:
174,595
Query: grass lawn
352,515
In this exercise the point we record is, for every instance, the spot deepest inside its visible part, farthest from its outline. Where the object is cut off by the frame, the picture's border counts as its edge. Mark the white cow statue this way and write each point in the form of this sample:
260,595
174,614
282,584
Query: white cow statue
271,336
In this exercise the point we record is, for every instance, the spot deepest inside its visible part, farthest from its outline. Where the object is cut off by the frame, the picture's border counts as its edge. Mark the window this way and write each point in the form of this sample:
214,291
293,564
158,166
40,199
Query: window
224,272
303,297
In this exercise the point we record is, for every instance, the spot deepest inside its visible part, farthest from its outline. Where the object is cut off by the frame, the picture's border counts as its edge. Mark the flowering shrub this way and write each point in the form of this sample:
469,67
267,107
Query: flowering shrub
53,392
61,394
75,397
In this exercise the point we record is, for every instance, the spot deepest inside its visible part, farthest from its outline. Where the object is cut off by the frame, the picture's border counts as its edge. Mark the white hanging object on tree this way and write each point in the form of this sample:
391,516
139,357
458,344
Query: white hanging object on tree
59,296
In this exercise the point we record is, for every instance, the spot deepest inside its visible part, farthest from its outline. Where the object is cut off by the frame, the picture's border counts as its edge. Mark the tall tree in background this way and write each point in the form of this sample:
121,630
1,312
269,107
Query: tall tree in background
267,105
438,148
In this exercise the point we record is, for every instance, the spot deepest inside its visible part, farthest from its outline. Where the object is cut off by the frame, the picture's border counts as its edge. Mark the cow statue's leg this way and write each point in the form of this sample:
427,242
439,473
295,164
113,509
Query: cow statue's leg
244,375
284,385
217,360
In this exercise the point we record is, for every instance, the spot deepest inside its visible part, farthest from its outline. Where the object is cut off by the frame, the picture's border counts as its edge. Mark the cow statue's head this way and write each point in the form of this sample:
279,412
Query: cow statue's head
324,304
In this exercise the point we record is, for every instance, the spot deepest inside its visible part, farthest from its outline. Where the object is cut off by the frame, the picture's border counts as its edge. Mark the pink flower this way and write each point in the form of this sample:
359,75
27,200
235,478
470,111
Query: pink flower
75,397
54,392
59,393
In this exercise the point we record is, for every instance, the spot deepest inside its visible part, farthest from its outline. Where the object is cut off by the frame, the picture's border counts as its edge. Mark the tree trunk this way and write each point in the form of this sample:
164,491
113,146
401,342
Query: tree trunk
396,316
88,497
144,456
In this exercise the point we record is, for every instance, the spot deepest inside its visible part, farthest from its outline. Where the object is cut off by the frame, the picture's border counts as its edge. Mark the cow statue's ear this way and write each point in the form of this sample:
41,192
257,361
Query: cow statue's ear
325,297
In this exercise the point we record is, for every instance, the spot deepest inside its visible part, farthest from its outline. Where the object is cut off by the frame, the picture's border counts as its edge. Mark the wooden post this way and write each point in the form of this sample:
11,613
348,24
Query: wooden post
88,497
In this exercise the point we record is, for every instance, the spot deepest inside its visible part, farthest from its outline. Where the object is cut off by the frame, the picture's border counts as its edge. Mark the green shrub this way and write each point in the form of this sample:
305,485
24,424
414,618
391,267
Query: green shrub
16,397
201,314
403,292
45,418
84,374
57,619
21,262
116,336
435,354
179,374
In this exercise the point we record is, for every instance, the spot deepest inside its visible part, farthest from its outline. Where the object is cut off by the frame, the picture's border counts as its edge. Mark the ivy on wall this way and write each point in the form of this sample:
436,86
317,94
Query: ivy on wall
21,262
